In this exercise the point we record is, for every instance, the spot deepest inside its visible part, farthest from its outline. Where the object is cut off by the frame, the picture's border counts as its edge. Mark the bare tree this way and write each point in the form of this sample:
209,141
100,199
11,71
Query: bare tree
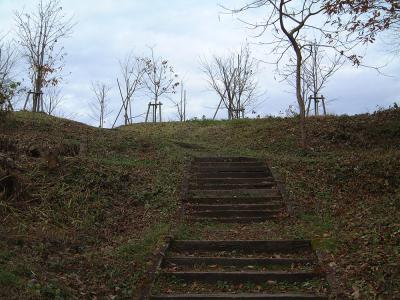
317,70
233,78
288,73
181,105
318,67
292,25
8,85
133,69
39,34
160,80
52,99
99,108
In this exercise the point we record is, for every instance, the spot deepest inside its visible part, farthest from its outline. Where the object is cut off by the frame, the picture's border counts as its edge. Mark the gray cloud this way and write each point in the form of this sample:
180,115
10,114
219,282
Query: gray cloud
183,31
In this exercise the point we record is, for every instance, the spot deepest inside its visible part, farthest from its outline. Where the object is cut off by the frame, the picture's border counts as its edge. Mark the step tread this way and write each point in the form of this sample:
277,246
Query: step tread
242,277
224,158
238,261
250,193
232,185
231,180
226,296
229,163
257,273
217,169
216,207
239,220
228,175
244,210
234,213
244,198
242,245
232,200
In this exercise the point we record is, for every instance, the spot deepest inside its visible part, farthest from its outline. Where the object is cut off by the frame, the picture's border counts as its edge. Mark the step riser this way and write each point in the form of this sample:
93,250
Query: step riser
225,159
242,246
232,181
242,277
246,192
230,169
238,200
230,186
228,214
235,194
234,262
228,164
227,175
232,220
234,207
239,297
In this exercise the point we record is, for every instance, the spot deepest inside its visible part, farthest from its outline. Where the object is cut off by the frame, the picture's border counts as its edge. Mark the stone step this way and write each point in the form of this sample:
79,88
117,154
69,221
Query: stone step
241,296
234,213
243,246
234,207
234,262
243,277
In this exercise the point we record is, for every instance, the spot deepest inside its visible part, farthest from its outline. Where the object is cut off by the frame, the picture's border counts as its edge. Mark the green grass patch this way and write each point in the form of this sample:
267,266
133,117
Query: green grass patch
8,279
139,250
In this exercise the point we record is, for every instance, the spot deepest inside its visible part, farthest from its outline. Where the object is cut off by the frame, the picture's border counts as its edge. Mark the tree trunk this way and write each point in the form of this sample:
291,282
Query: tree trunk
36,96
300,99
297,50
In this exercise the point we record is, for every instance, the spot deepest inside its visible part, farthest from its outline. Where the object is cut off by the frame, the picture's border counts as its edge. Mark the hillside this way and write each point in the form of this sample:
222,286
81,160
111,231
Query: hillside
83,209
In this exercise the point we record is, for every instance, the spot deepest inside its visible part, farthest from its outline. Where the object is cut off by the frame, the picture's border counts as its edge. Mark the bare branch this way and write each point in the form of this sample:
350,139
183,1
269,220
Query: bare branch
132,69
52,99
9,87
99,107
39,34
293,24
233,79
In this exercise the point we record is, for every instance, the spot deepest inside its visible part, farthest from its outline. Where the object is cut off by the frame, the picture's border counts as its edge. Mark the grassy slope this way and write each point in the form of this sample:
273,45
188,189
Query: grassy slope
89,226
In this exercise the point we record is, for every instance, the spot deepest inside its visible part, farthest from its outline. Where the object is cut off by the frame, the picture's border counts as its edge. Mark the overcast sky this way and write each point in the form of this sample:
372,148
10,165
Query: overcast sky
183,31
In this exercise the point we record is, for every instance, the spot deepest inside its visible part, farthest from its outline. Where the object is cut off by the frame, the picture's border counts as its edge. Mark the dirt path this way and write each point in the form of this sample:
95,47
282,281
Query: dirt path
240,192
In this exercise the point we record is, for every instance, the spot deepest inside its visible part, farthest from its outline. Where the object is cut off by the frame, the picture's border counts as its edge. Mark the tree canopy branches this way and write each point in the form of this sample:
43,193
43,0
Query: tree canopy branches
233,78
39,34
365,18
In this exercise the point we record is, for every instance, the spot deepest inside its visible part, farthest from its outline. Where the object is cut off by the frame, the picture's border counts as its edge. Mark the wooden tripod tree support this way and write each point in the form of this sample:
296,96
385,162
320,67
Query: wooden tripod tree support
238,113
181,105
152,109
316,100
232,112
184,106
39,97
